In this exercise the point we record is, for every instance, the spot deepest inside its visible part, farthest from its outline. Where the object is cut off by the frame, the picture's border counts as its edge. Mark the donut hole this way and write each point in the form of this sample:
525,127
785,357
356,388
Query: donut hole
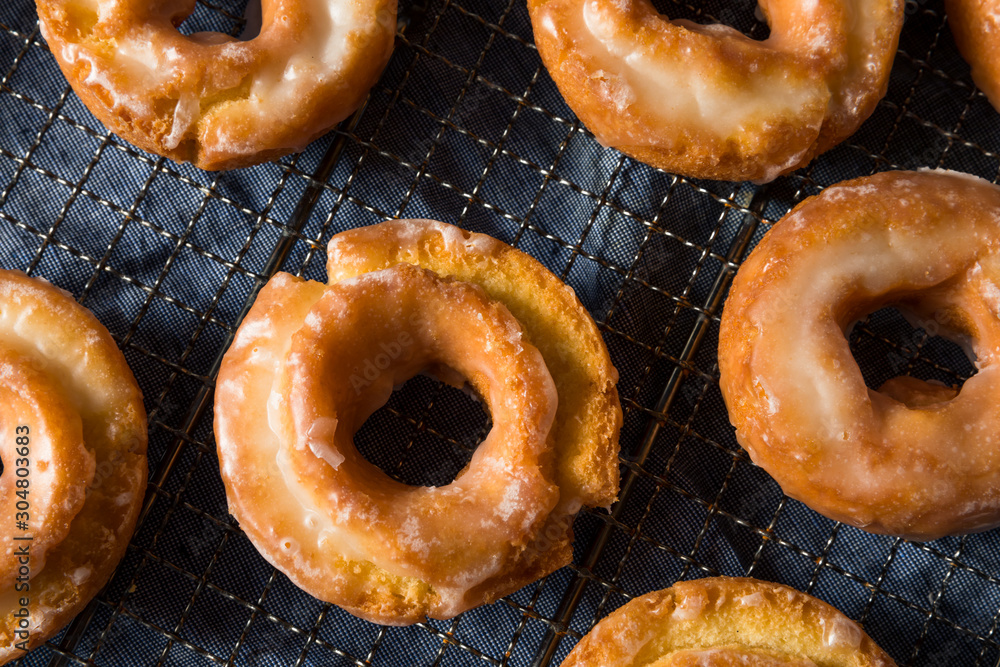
743,15
236,18
425,434
891,343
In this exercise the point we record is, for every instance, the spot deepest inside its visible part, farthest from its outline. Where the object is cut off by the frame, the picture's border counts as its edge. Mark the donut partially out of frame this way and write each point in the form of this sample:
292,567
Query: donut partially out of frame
976,27
727,622
707,101
914,459
74,460
312,361
208,98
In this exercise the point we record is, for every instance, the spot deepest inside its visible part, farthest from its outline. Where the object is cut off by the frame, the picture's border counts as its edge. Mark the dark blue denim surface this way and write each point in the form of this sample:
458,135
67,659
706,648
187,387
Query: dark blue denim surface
465,126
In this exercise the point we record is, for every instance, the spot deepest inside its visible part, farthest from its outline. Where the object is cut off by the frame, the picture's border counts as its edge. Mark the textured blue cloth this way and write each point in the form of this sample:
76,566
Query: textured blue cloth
465,126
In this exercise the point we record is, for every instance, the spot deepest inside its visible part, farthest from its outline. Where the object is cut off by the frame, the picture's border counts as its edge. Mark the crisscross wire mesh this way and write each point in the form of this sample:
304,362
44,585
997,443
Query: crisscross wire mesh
465,126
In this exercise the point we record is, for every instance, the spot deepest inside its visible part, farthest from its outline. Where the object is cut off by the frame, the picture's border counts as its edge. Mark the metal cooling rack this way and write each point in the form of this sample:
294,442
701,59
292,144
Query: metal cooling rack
465,126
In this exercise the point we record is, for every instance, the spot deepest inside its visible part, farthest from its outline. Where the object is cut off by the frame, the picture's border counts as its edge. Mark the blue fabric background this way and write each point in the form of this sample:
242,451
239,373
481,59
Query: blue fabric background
465,126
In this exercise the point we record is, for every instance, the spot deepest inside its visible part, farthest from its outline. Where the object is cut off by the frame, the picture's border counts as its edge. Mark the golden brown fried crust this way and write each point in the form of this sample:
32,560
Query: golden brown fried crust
583,440
913,459
589,415
725,621
975,23
668,101
82,358
212,100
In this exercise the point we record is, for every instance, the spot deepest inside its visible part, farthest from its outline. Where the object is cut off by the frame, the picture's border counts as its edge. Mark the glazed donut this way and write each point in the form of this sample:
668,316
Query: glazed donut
913,459
708,102
976,27
726,622
208,98
74,454
294,388
589,415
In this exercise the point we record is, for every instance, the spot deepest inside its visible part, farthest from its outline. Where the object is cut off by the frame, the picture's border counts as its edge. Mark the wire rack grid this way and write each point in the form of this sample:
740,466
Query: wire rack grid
465,126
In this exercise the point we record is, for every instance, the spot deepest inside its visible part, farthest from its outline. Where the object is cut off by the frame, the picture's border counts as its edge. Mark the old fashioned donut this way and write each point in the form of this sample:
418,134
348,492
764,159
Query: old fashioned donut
976,27
74,454
727,622
708,102
589,415
208,98
913,459
294,388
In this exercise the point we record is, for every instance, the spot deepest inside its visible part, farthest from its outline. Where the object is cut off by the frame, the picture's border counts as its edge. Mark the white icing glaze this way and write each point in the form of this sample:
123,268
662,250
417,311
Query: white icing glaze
755,599
685,89
80,575
689,608
309,51
351,519
665,89
932,237
319,436
841,632
319,54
